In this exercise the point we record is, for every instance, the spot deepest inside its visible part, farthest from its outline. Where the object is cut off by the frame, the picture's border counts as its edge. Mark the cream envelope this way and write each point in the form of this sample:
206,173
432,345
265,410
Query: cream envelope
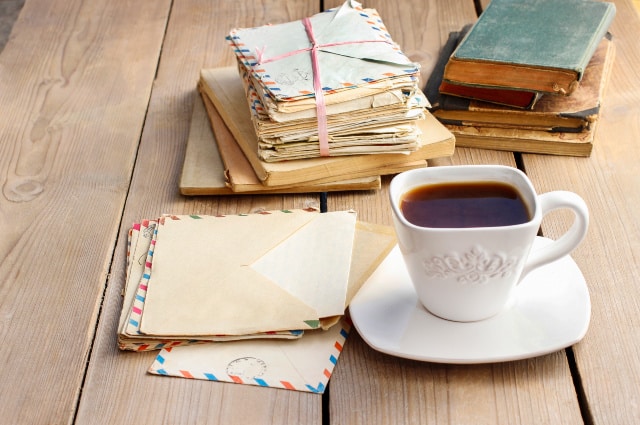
305,364
244,274
372,244
354,49
139,259
139,241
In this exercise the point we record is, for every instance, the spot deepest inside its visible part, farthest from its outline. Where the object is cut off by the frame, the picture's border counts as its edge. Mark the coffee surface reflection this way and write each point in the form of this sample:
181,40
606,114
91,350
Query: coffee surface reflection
464,204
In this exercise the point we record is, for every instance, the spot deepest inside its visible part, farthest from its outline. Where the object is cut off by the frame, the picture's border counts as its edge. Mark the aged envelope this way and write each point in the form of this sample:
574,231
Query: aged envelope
372,243
138,244
305,364
354,49
244,274
139,259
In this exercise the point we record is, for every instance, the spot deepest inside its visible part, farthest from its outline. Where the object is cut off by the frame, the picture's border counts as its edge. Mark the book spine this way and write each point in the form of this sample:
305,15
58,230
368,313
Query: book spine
601,32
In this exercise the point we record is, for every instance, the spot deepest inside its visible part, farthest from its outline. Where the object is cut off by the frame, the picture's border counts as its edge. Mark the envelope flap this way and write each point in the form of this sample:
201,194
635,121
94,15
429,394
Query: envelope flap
354,49
200,282
358,33
238,304
313,263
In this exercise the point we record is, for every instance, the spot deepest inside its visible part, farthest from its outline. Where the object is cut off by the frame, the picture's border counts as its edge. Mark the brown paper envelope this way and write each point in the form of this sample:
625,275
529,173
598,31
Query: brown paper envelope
237,275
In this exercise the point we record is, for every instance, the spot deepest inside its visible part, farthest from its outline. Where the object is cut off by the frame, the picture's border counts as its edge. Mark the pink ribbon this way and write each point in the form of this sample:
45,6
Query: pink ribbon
321,109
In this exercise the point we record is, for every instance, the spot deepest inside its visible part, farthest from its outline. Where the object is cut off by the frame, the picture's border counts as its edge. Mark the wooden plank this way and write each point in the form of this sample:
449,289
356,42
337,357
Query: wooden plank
369,387
118,389
9,11
74,87
608,361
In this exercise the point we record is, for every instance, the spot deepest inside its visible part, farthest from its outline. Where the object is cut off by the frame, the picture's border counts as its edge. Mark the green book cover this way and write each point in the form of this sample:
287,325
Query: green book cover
559,35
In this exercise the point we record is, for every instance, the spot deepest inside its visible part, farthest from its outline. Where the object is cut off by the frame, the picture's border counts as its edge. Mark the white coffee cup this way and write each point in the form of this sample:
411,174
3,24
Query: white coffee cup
470,273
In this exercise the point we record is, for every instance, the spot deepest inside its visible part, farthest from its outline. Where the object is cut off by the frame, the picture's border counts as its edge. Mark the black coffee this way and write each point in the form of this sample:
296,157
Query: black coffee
464,204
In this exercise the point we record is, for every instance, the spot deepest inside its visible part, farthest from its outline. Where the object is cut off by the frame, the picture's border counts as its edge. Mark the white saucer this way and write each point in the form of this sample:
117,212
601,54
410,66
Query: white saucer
551,310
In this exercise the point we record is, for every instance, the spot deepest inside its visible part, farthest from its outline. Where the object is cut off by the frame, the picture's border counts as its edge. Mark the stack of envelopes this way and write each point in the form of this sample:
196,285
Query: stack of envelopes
344,59
328,102
249,283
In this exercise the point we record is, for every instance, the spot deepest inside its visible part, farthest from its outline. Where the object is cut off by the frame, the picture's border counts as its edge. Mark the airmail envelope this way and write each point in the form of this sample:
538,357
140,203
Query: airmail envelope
305,364
353,48
245,274
141,243
371,245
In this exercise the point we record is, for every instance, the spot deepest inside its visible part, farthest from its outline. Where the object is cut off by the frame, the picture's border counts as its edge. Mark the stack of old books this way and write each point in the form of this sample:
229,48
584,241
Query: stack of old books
528,76
320,104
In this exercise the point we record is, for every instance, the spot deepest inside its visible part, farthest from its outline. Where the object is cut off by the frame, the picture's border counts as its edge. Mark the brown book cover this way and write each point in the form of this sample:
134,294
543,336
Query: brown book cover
514,98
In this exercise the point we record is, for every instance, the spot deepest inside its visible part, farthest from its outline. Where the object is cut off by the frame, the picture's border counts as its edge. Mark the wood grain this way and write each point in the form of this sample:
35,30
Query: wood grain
117,386
74,88
369,387
607,358
96,101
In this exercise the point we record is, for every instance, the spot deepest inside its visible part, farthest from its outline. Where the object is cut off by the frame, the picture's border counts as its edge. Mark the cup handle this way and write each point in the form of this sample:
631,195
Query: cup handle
570,239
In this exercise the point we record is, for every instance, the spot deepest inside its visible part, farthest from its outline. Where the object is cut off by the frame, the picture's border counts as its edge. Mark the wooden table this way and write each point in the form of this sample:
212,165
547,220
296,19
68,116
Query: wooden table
96,100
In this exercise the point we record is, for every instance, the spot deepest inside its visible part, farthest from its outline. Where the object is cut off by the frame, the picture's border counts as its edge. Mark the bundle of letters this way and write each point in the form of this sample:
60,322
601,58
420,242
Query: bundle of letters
329,85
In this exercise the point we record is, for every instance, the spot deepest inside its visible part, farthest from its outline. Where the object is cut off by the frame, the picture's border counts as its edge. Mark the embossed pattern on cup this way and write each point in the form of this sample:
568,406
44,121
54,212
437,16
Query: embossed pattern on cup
476,266
469,274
